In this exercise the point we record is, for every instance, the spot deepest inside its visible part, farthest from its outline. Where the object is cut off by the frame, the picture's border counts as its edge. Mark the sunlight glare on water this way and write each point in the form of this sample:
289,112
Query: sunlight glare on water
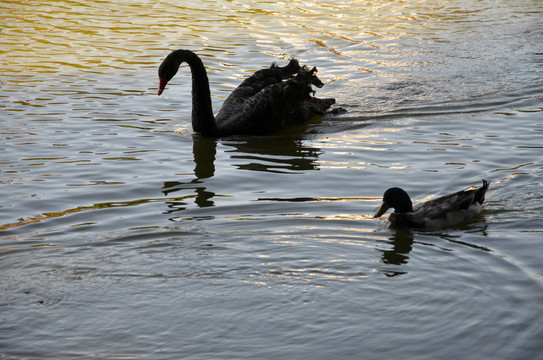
123,234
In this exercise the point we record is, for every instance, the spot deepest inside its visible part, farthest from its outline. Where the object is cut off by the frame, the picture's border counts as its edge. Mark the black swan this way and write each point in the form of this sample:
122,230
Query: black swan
264,103
448,210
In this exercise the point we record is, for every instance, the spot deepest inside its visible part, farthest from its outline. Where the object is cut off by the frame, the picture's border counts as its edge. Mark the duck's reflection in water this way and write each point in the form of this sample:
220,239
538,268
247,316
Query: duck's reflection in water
402,244
402,241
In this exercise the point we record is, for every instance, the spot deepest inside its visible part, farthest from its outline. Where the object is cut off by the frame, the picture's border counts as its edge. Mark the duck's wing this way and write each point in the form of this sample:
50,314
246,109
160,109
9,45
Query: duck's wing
453,208
272,99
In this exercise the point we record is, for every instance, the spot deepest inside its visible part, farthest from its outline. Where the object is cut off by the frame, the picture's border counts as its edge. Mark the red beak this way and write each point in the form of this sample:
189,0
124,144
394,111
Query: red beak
162,85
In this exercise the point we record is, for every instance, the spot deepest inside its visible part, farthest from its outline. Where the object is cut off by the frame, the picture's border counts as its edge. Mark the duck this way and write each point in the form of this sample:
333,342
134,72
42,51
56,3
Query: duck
269,100
445,211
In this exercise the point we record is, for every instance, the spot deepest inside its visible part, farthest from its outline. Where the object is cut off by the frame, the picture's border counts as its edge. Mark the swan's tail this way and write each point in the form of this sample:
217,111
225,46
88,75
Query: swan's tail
309,76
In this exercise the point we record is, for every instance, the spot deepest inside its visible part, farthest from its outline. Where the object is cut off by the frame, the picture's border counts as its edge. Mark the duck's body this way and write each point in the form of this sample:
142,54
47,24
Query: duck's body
269,100
448,210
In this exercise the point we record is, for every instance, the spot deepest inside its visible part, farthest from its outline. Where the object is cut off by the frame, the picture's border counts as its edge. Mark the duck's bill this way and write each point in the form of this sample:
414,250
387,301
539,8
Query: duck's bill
383,209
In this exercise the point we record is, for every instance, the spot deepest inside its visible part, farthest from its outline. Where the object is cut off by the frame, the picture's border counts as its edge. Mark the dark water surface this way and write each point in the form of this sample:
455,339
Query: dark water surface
125,235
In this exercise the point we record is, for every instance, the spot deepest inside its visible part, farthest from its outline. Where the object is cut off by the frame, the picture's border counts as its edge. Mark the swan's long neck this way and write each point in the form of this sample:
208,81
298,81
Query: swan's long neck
203,120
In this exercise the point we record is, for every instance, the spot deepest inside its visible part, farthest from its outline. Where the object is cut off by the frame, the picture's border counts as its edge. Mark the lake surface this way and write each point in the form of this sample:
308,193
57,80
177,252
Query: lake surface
125,235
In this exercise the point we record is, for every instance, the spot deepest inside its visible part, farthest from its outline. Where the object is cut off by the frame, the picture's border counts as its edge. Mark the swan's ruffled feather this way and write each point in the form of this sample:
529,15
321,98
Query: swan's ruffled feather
272,99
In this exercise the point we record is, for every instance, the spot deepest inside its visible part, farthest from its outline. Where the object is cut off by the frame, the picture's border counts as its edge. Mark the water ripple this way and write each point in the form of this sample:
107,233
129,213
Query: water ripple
111,205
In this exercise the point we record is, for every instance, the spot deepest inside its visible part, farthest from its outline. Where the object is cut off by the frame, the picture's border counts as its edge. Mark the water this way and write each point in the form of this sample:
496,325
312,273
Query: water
123,234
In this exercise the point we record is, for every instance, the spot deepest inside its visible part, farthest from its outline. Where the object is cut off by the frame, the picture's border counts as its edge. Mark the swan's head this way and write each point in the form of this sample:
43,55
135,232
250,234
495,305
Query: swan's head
167,71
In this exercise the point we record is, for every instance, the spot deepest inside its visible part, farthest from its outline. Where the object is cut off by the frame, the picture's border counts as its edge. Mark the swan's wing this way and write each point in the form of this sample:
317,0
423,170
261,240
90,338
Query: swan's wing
270,100
267,111
247,114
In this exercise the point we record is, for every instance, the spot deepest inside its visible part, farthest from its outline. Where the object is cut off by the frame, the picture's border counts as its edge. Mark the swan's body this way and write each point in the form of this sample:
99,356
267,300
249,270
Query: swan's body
448,210
266,102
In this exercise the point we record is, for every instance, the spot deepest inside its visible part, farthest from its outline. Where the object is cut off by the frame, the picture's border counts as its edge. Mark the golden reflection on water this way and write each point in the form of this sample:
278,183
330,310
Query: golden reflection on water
105,205
45,36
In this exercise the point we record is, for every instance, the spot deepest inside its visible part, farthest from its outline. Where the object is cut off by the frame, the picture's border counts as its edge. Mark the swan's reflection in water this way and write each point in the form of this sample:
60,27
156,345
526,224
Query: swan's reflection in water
203,150
264,154
273,154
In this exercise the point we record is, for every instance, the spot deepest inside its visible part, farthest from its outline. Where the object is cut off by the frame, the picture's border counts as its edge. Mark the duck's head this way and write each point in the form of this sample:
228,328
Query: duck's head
397,199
